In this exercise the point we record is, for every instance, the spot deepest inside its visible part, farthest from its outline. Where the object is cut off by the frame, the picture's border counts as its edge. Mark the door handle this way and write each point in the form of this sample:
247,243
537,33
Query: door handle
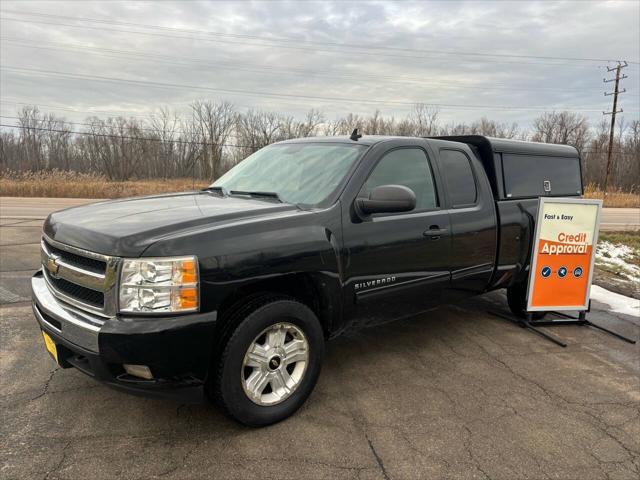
435,232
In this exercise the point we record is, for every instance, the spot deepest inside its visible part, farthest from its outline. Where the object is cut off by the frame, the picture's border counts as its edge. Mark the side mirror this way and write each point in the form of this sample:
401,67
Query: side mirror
387,199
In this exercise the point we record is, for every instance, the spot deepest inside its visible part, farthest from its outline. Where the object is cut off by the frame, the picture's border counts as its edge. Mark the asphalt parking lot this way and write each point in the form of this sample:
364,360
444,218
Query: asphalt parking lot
455,393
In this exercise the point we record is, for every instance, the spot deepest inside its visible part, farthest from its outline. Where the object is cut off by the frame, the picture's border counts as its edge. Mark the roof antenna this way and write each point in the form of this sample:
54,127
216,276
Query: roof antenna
355,135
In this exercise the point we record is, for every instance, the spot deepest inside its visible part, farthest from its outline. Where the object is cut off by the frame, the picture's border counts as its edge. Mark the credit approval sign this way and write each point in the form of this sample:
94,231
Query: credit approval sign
563,254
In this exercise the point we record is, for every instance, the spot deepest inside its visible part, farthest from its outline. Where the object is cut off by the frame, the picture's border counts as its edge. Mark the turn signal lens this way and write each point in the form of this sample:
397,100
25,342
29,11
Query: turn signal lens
188,271
187,298
159,285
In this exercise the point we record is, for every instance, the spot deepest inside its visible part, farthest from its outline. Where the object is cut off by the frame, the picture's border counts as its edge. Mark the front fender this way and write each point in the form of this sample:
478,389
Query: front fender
233,259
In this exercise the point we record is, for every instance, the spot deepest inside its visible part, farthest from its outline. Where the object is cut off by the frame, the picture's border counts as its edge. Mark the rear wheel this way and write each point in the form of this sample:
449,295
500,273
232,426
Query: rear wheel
270,363
517,300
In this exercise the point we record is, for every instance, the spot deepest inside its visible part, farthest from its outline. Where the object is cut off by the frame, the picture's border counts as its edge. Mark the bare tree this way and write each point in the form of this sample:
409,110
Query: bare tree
256,129
215,122
56,139
562,127
164,128
31,139
425,120
309,126
345,125
9,150
118,146
214,137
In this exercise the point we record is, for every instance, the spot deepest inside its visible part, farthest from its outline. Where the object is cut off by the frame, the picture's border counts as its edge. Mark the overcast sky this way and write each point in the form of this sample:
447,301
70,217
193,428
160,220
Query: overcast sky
497,59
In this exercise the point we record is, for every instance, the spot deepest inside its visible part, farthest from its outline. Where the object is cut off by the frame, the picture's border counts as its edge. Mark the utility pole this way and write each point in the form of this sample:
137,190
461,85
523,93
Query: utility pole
615,93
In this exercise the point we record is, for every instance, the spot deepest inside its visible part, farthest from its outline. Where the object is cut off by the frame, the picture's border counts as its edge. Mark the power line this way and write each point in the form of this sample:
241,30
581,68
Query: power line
98,124
294,47
88,112
136,113
124,137
197,87
159,140
176,60
311,42
112,113
146,115
49,73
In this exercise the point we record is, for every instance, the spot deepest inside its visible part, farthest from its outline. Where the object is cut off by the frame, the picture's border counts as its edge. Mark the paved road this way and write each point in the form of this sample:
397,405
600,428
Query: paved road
36,208
39,208
620,219
455,393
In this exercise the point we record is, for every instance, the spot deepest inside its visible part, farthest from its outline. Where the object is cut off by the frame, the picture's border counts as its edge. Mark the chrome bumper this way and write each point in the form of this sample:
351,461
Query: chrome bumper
75,326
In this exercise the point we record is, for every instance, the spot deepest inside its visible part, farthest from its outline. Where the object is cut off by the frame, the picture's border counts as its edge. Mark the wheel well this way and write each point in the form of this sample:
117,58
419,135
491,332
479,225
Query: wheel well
301,286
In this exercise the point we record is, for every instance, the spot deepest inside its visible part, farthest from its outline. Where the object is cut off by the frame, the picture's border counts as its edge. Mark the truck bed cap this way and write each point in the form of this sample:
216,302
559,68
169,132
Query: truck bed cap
483,143
506,145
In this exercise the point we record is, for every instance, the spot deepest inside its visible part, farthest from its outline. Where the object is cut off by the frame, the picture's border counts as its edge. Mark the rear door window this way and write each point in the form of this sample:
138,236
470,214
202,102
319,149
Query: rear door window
526,175
459,178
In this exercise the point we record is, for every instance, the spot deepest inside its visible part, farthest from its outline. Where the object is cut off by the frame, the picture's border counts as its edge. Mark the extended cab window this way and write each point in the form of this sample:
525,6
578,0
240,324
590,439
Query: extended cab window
408,167
459,178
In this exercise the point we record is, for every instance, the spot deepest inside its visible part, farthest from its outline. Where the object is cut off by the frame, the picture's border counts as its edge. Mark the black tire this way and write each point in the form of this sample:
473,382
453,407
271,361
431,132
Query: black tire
517,300
226,385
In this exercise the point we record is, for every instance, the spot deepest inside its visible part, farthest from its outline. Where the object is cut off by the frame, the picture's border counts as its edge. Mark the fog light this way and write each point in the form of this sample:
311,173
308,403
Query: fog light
141,371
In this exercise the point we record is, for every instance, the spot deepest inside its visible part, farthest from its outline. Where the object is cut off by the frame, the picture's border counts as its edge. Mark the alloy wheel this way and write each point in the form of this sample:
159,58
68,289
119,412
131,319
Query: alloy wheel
275,364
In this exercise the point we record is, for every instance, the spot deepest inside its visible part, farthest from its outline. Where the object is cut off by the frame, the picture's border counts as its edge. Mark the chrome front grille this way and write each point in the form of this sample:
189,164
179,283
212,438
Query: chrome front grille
92,264
83,294
79,277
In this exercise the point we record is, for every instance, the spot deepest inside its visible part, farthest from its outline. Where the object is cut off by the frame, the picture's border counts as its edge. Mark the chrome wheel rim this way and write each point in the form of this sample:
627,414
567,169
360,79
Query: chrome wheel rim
274,364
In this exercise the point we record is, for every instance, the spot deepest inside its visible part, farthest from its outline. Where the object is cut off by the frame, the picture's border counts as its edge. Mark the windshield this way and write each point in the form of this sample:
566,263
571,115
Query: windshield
304,173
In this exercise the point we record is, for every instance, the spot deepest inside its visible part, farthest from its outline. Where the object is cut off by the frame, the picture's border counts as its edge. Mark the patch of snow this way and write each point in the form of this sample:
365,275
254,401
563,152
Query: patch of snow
617,250
617,303
618,255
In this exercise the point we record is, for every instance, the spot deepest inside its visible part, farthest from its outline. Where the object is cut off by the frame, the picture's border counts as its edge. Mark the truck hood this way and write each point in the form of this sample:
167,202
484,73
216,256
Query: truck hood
127,227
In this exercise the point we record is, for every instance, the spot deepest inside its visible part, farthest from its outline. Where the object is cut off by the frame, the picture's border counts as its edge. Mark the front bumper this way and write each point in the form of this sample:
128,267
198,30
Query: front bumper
177,349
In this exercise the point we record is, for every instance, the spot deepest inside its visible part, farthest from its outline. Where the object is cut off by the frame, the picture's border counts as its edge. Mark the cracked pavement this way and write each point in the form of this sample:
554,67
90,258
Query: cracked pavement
455,393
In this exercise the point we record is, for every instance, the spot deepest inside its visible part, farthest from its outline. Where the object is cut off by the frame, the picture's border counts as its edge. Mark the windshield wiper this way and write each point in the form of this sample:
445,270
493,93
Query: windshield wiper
220,190
257,194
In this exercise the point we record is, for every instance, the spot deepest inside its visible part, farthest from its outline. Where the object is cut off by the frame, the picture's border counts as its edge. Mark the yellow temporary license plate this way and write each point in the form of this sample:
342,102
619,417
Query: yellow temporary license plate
51,346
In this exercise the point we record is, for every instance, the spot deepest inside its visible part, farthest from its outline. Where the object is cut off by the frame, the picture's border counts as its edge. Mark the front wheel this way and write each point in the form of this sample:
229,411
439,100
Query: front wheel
271,362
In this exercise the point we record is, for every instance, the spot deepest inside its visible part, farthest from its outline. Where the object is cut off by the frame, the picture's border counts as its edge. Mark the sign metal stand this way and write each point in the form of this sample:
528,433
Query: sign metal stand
581,320
566,233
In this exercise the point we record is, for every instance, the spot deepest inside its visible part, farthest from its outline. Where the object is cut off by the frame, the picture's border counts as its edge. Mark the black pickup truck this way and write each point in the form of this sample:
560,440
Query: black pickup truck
234,289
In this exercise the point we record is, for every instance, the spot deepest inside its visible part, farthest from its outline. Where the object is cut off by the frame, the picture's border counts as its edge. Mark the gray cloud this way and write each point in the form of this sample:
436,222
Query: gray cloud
407,69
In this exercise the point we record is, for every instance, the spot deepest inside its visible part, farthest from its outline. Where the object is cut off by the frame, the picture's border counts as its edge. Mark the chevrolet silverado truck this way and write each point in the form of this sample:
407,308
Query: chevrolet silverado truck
233,290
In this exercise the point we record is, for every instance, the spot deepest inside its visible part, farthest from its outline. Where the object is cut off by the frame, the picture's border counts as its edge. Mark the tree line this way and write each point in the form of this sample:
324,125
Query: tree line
214,136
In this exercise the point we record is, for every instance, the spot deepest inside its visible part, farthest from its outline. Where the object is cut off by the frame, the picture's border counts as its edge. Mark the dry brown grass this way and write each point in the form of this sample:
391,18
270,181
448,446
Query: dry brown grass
615,198
80,185
57,183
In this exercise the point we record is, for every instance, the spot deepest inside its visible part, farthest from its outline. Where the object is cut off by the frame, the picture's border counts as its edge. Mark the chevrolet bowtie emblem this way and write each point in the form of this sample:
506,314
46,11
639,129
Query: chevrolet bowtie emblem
52,265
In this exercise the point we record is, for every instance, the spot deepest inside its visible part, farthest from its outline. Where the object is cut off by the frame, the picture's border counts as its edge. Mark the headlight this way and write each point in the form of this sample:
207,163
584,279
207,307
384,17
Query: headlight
157,285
